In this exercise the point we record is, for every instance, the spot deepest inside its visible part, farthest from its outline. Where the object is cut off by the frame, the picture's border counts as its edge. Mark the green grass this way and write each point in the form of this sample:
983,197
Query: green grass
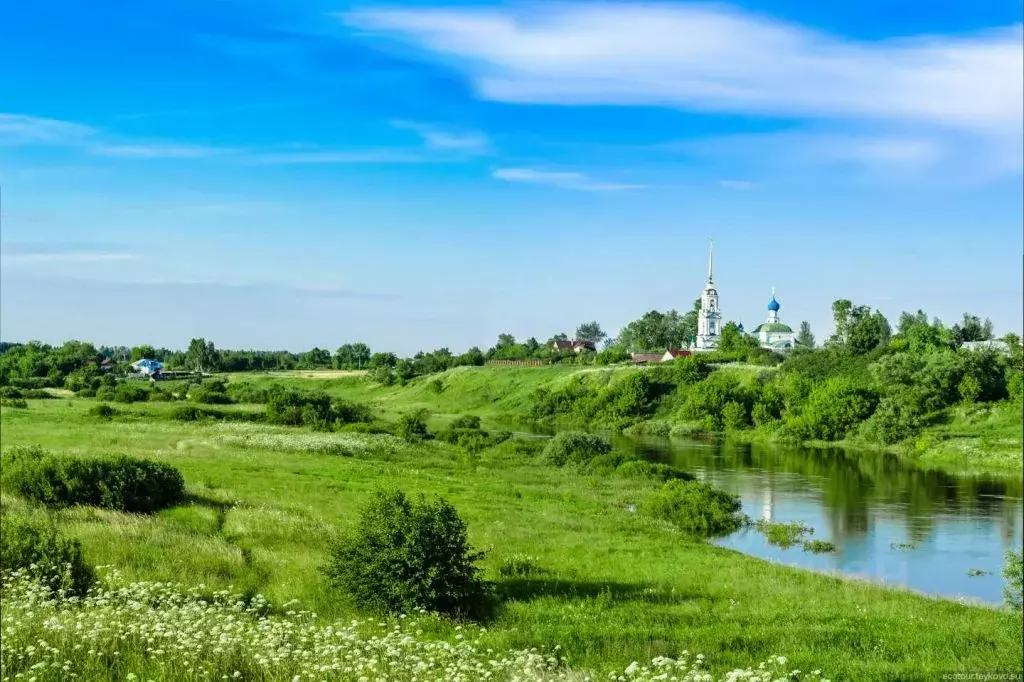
610,587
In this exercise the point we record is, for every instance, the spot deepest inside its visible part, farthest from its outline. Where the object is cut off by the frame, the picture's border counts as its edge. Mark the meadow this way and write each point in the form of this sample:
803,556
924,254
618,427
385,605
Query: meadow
608,586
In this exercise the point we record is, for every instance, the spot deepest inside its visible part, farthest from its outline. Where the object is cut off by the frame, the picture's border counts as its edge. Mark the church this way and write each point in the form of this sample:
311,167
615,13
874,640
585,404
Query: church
773,334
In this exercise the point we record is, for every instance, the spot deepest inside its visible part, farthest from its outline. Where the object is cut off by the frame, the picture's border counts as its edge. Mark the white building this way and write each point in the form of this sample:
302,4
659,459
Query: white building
709,319
774,333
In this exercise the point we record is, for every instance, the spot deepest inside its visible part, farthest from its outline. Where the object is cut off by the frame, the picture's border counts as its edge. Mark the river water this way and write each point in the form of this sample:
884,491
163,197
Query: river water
889,522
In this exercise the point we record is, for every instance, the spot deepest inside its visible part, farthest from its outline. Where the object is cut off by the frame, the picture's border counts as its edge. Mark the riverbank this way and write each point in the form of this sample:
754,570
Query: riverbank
979,439
607,585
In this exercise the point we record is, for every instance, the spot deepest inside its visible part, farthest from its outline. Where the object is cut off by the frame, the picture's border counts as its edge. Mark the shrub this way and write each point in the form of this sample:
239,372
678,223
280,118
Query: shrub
102,411
31,542
695,507
292,408
412,427
122,482
345,412
210,395
894,420
159,395
832,410
466,421
435,386
106,393
18,403
191,413
11,392
734,416
608,463
130,392
969,388
639,468
409,554
818,546
37,394
248,393
1015,387
575,448
1013,574
783,535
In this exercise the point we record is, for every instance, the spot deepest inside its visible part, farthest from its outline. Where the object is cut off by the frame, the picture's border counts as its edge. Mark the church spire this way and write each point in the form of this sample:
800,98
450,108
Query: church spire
711,262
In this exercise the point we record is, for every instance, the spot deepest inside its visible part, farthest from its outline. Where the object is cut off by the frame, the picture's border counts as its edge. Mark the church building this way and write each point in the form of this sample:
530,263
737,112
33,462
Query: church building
774,334
709,319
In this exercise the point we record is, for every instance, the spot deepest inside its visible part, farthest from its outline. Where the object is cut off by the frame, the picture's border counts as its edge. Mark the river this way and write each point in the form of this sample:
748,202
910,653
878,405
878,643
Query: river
890,522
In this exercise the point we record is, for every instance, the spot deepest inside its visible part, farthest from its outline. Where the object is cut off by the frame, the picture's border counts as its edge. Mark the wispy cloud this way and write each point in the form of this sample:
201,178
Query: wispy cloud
22,252
713,58
18,129
438,145
24,130
563,179
341,157
158,150
465,141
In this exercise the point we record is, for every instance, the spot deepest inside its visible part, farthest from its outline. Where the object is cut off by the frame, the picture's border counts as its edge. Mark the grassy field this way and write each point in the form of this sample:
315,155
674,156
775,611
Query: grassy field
613,588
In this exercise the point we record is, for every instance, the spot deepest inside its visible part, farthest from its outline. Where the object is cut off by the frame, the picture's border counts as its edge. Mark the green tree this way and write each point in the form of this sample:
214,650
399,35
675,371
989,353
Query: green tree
656,331
201,355
841,310
867,330
805,337
143,352
971,328
969,388
591,331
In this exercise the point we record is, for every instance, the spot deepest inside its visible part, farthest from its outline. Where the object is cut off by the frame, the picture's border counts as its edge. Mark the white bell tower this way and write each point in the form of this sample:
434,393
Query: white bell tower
709,320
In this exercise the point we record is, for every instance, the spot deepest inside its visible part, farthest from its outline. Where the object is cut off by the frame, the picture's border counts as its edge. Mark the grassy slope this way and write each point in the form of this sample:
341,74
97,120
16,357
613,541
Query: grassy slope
981,439
618,588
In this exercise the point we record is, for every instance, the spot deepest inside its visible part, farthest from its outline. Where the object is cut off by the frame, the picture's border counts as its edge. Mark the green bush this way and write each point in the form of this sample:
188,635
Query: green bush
31,542
832,410
293,408
435,386
246,393
781,534
121,482
11,392
107,393
734,416
412,427
18,403
158,395
37,394
130,392
1013,574
608,463
695,507
210,395
640,468
103,411
894,420
409,554
466,421
575,448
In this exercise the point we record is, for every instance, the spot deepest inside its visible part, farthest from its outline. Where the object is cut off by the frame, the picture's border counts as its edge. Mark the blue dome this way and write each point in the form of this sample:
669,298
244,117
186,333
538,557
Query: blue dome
773,305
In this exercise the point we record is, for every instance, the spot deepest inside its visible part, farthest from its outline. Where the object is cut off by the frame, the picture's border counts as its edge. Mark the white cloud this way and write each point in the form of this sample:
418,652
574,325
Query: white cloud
69,257
562,179
712,58
465,141
18,129
157,150
341,157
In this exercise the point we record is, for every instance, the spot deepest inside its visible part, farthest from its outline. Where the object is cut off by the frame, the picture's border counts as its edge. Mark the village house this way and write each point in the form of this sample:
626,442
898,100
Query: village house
673,353
576,346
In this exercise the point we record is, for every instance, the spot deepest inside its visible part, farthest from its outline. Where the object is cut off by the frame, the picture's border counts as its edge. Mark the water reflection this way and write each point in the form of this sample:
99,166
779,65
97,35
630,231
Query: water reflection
890,522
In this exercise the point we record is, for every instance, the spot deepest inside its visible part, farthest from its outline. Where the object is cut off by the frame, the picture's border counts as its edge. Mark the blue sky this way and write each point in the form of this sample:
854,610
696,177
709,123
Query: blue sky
277,174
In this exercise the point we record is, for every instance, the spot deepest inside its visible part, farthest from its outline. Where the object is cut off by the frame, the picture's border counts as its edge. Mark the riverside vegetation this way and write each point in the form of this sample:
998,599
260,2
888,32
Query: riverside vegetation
246,554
